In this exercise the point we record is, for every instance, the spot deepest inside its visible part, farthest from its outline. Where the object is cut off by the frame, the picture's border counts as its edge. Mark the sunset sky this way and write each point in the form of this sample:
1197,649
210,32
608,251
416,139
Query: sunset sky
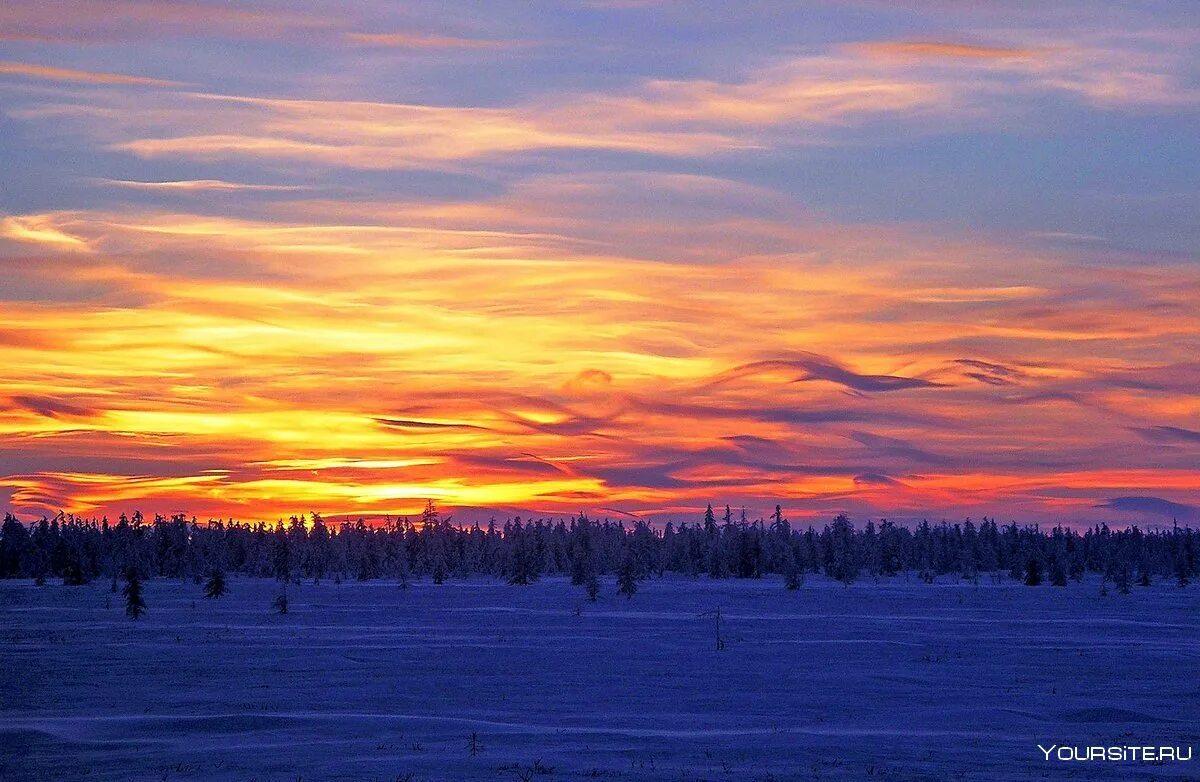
902,258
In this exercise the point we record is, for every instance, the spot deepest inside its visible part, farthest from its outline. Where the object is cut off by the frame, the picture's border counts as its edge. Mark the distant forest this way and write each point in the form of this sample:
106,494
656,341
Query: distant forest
77,550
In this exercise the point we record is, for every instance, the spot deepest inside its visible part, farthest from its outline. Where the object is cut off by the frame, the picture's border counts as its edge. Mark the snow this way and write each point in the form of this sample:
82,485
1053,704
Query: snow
897,680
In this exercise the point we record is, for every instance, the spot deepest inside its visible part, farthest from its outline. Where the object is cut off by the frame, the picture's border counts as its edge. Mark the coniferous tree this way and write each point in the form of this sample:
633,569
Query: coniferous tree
581,551
1122,579
438,570
215,586
842,564
71,549
627,576
522,569
282,556
591,585
1033,572
280,603
1058,574
1182,574
792,577
135,604
73,574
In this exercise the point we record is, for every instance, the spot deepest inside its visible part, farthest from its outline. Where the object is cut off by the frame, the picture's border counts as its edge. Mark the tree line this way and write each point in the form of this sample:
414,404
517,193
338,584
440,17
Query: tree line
78,550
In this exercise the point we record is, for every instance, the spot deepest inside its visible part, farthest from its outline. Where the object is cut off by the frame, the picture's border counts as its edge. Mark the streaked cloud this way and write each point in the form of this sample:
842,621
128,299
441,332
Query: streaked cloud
546,260
1169,434
423,41
941,49
71,21
52,73
201,184
366,387
39,230
1155,506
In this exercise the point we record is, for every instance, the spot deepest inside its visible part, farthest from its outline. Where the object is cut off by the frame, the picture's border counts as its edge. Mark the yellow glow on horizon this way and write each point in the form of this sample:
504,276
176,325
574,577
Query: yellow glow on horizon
388,363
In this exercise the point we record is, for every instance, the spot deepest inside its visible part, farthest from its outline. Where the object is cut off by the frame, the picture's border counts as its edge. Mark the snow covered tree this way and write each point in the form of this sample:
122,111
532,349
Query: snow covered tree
281,555
627,576
843,564
1058,574
1182,571
522,566
591,585
75,549
73,574
1121,579
1033,572
135,604
438,570
580,550
215,586
792,577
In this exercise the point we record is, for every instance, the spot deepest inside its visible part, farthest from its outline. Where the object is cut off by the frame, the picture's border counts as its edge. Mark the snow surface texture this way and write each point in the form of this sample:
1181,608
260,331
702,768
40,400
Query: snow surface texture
365,681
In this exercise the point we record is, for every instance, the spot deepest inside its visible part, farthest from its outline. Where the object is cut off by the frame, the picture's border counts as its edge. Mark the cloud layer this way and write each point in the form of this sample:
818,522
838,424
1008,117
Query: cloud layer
518,265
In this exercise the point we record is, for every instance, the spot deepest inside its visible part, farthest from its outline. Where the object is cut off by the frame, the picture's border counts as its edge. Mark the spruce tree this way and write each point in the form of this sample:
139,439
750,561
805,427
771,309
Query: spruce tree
1122,579
627,576
522,569
1058,574
843,564
1182,577
1033,572
135,605
592,585
280,602
215,586
438,570
73,574
792,579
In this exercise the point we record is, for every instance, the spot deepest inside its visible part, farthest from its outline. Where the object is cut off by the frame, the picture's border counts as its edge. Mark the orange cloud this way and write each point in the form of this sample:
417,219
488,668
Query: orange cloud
85,77
942,49
39,230
357,368
201,184
418,41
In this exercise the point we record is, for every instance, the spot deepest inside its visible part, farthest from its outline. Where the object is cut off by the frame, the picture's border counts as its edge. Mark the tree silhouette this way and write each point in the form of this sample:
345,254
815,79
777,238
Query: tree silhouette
1058,574
627,576
1033,572
215,586
135,605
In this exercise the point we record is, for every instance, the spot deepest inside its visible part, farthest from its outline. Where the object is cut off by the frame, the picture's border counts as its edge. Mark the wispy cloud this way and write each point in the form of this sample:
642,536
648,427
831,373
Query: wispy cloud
1152,506
672,382
52,73
67,21
1169,434
424,41
812,99
602,267
941,49
39,230
202,185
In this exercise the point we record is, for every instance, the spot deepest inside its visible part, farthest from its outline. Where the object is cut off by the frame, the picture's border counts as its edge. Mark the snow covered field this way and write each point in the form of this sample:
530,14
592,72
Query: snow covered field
364,681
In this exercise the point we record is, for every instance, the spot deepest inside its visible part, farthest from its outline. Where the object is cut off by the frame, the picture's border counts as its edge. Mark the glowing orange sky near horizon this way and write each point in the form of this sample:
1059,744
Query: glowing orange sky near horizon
236,312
